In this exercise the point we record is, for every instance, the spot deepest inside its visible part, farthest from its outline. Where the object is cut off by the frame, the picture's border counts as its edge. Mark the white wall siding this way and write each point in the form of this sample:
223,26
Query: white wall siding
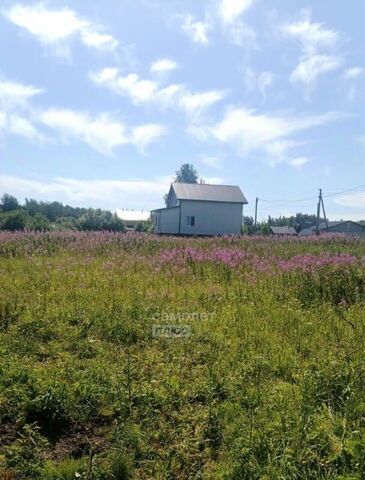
169,221
172,200
211,218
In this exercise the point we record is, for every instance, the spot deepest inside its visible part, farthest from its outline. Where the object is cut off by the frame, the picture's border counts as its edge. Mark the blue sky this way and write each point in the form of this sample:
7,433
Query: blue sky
101,102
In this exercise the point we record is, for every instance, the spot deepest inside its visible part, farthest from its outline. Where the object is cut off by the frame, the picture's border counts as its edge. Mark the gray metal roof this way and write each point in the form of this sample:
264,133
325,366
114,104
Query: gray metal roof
307,231
207,192
322,226
283,230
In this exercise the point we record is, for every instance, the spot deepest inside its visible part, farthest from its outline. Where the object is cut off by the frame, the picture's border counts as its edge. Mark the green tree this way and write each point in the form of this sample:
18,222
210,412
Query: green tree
39,222
31,206
9,203
15,220
187,174
247,225
100,220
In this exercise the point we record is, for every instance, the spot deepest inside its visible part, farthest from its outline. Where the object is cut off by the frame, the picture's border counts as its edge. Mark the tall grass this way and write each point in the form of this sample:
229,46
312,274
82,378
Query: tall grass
268,385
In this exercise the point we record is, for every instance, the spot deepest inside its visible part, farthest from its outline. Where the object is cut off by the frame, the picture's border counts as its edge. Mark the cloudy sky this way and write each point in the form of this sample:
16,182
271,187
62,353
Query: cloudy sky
100,102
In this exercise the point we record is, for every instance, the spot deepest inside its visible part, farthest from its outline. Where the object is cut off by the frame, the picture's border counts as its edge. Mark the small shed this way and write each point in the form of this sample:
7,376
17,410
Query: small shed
283,231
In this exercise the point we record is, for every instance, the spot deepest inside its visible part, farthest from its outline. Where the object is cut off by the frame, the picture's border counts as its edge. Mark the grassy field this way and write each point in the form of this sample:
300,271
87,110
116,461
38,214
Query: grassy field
137,357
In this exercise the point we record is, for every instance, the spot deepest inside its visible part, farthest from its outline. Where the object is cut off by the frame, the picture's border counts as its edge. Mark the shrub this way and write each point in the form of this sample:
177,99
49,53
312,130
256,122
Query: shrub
23,457
48,412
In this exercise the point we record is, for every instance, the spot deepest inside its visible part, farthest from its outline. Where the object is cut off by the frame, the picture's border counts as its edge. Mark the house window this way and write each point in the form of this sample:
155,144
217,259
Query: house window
190,221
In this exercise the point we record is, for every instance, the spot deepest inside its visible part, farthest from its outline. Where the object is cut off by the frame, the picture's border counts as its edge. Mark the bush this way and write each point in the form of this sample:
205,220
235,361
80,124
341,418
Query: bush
39,223
48,412
15,220
23,457
67,469
99,220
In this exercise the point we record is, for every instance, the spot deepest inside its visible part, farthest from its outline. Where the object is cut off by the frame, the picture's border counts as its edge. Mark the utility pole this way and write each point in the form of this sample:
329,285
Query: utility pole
319,205
257,201
318,211
324,212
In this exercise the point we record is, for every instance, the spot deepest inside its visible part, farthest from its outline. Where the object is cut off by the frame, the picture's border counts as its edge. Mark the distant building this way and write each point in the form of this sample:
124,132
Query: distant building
132,218
347,227
200,209
283,231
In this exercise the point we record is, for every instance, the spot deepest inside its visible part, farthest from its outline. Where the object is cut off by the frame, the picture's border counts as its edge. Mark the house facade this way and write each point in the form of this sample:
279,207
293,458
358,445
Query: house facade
200,209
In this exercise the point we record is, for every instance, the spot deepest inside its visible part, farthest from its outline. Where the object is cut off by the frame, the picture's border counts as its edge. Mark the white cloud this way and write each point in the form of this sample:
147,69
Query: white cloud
271,134
319,47
23,127
146,91
264,81
353,200
311,68
138,90
54,27
197,31
14,94
353,73
98,40
229,15
102,133
279,150
298,162
226,14
240,34
258,81
214,180
145,134
212,162
15,116
13,124
163,65
312,36
195,103
230,10
135,193
3,120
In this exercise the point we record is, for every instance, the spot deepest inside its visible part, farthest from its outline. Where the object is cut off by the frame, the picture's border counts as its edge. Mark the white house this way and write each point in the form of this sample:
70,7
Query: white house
200,209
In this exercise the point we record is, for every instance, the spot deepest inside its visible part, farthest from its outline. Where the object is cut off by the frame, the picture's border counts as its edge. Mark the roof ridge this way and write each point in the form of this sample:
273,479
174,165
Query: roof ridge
207,184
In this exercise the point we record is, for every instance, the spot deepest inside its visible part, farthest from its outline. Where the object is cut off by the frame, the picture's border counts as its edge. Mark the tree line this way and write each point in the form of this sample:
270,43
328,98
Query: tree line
43,216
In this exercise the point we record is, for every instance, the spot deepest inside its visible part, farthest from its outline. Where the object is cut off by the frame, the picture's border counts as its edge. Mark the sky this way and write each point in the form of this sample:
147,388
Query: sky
101,102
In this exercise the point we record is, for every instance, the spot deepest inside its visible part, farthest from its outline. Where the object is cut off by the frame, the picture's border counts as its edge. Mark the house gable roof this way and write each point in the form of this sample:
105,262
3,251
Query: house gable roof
207,192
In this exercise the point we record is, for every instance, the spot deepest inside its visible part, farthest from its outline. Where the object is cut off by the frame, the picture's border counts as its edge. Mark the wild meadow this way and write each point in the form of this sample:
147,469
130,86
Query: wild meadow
131,356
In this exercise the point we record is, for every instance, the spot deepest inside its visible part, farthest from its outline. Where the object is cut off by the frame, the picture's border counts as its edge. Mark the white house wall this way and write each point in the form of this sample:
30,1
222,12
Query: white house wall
211,218
169,220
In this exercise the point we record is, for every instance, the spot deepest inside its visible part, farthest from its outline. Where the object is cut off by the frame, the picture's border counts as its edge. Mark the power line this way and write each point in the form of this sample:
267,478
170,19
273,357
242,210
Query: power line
286,202
344,191
298,200
289,203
